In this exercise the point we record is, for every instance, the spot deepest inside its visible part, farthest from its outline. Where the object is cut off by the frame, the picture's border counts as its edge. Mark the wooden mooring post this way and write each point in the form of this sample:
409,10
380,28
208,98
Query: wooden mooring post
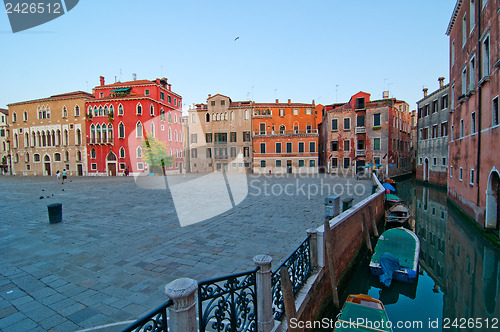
330,263
288,299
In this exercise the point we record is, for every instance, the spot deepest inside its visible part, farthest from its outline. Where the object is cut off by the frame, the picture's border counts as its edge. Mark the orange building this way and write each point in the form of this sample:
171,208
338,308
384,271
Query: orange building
285,138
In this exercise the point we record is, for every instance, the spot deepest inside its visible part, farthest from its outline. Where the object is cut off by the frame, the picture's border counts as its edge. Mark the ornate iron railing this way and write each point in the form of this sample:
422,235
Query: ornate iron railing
155,321
299,268
228,303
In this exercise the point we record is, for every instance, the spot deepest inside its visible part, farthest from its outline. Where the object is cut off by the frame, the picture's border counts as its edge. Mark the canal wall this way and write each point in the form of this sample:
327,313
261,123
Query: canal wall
347,240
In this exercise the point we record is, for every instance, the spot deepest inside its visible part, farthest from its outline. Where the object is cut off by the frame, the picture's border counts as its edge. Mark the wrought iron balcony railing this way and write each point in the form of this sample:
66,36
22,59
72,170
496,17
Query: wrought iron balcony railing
360,130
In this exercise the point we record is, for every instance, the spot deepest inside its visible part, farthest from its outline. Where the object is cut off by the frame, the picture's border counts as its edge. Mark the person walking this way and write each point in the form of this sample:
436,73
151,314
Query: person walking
64,176
58,176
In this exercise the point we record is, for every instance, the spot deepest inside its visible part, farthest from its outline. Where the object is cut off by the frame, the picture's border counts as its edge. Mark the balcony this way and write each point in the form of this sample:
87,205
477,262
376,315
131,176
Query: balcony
91,141
360,130
299,132
360,153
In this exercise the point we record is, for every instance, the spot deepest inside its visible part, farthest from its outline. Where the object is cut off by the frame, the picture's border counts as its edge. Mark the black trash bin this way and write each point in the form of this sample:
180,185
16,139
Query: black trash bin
55,213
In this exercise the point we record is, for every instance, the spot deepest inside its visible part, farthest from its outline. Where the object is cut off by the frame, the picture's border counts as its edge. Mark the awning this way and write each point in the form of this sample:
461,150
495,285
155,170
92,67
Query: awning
121,90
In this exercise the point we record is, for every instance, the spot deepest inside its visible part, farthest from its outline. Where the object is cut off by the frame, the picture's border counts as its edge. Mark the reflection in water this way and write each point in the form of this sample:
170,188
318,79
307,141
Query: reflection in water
459,268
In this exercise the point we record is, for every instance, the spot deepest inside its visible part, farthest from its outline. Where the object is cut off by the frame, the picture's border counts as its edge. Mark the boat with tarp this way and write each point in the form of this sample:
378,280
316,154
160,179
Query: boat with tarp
362,313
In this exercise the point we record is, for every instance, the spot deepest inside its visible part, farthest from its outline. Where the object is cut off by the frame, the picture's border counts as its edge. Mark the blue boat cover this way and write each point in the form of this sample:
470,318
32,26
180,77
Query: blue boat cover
389,265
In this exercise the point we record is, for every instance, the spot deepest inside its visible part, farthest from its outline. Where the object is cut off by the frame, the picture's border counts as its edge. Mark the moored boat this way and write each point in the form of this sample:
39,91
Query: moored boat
396,256
362,313
397,215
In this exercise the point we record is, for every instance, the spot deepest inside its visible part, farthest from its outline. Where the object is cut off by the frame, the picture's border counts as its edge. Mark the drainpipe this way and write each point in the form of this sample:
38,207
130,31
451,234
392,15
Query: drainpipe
479,93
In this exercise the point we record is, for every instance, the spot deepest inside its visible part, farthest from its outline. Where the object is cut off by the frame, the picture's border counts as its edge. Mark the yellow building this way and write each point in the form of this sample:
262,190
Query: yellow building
48,134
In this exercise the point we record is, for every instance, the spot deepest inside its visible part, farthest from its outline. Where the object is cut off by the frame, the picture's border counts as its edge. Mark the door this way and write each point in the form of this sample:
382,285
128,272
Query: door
289,166
359,166
112,169
111,163
79,169
46,160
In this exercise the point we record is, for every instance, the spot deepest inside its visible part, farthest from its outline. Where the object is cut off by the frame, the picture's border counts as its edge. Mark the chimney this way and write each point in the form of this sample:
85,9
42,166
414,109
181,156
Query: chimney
441,82
385,94
209,95
314,103
101,78
158,81
277,101
134,77
169,87
289,101
425,92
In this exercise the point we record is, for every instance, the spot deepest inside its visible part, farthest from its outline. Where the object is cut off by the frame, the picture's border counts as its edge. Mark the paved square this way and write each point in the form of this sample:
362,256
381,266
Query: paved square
120,244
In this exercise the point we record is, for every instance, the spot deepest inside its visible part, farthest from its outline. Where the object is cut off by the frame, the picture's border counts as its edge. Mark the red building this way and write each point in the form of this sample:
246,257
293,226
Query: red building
120,117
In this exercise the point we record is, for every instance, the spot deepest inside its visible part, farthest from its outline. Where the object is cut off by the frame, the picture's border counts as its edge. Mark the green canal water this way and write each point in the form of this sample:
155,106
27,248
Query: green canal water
458,288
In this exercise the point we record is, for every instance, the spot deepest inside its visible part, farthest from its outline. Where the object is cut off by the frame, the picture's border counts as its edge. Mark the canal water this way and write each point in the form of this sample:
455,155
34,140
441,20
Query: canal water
459,279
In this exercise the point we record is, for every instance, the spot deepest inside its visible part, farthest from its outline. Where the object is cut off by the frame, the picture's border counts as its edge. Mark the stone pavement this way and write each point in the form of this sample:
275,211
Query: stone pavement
120,244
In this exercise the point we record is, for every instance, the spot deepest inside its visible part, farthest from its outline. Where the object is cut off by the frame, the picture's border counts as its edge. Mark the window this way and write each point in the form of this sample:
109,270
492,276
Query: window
14,117
347,145
138,130
464,30
122,152
295,111
461,128
92,153
25,116
151,110
232,137
361,144
444,129
120,109
335,124
312,146
360,103
472,72
301,163
221,137
452,53
122,166
434,161
360,121
434,131
93,167
494,109
376,120
347,162
64,112
444,102
162,96
486,56
281,113
208,137
435,106
376,160
471,176
262,147
121,130
278,163
460,173
262,163
301,147
233,152
278,147
139,109
452,101
451,171
464,81
246,152
376,143
194,138
288,147
335,163
212,103
473,122
347,124
472,16
209,152
443,161
140,166
231,116
334,145
246,136
452,127
247,115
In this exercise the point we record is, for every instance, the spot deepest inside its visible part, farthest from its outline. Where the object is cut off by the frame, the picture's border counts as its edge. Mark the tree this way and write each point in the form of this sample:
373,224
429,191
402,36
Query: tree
154,152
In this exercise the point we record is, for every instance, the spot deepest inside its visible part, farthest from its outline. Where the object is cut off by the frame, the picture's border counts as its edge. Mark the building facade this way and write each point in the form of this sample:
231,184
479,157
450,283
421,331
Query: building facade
120,118
48,134
432,135
285,138
474,178
362,132
220,135
4,142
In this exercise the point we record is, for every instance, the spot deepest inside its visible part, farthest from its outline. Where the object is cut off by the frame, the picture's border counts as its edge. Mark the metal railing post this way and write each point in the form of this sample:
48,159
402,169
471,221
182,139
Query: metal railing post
264,293
183,312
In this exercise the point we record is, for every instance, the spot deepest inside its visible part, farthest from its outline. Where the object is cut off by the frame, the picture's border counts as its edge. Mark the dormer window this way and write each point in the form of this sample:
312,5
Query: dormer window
360,103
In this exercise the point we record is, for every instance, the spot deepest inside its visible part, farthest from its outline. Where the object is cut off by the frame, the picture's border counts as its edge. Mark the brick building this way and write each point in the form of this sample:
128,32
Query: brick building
285,138
47,135
361,131
4,141
220,135
122,115
432,135
474,178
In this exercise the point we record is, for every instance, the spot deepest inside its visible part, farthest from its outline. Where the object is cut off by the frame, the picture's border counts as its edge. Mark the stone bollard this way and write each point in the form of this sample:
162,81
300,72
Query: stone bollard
313,247
264,293
183,312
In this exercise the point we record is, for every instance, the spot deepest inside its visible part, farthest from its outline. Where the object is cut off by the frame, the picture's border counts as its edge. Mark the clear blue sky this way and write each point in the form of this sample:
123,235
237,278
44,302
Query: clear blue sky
286,49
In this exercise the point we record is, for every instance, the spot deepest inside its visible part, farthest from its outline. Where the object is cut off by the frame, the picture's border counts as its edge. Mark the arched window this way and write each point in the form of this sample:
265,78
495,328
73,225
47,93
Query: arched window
175,135
92,153
139,109
106,110
14,117
169,117
232,115
111,110
101,111
77,110
64,112
78,137
57,156
110,133
120,109
98,133
104,133
25,116
169,134
139,152
26,140
96,113
162,115
152,110
92,133
36,158
48,113
89,112
138,130
39,139
49,141
16,158
66,156
175,118
225,116
33,138
282,129
78,156
121,130
152,129
53,133
207,117
27,157
122,153
4,146
247,115
58,137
